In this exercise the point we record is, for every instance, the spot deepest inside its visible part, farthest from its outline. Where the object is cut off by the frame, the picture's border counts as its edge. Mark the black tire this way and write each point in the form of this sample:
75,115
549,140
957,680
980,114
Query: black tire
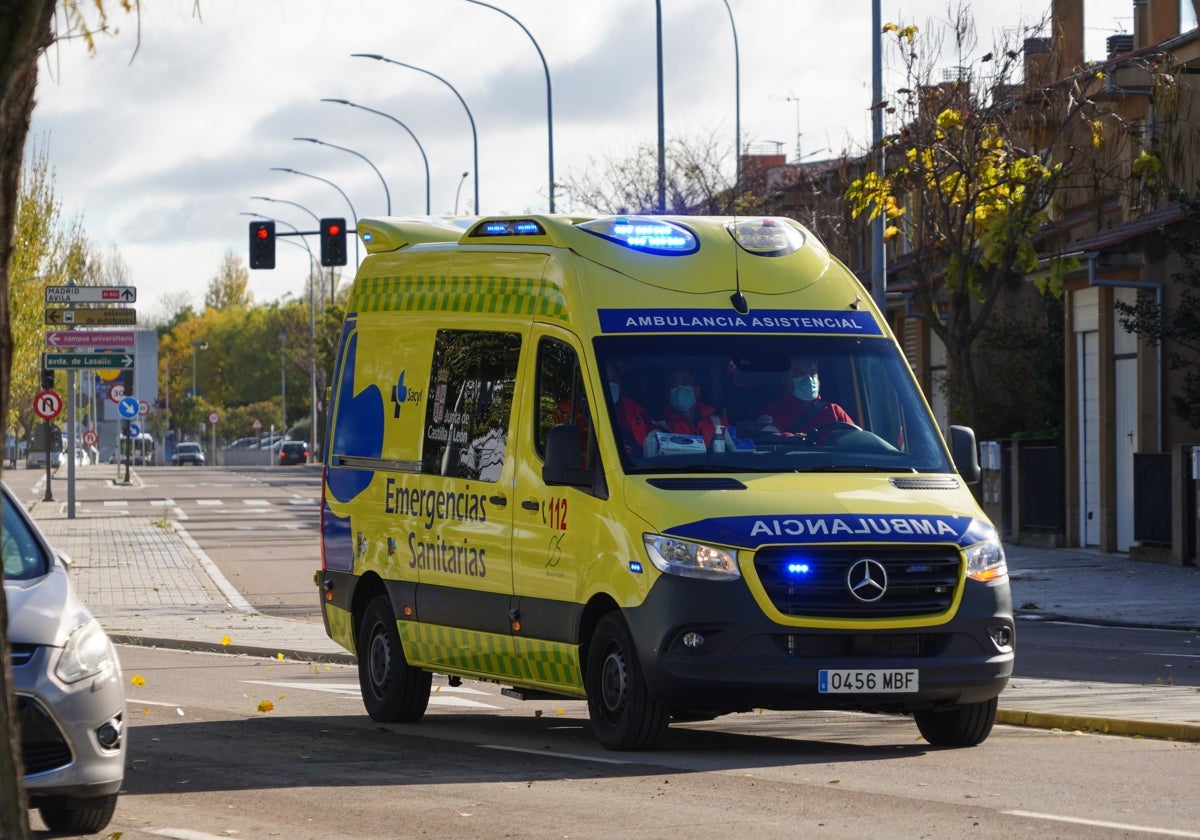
392,690
964,726
77,815
624,715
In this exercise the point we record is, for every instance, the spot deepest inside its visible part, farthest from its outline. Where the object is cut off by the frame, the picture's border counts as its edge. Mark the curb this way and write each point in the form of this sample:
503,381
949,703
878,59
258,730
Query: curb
232,649
1170,731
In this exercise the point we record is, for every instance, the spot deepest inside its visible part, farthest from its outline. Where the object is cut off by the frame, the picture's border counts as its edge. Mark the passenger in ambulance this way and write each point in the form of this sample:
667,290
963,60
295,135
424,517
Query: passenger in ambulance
633,421
684,413
800,408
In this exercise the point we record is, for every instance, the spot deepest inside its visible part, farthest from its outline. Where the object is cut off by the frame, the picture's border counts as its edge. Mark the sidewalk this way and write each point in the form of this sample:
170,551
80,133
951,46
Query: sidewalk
150,584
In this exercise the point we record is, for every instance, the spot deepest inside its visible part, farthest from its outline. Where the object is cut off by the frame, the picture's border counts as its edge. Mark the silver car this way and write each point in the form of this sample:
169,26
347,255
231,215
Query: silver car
67,680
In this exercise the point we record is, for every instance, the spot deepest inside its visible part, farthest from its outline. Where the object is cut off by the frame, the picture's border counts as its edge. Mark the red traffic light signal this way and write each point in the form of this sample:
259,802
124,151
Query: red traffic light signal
262,244
333,242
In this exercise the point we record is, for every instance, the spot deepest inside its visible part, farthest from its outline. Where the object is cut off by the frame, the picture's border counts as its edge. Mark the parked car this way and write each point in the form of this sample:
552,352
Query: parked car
67,682
188,453
293,452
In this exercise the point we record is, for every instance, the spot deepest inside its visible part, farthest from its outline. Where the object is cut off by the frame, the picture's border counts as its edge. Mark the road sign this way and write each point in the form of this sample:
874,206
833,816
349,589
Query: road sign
87,361
116,392
134,430
214,418
128,408
90,438
90,338
47,404
91,317
143,408
91,294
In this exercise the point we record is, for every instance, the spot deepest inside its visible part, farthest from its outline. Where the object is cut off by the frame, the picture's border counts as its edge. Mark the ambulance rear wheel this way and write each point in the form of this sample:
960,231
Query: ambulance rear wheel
624,715
392,690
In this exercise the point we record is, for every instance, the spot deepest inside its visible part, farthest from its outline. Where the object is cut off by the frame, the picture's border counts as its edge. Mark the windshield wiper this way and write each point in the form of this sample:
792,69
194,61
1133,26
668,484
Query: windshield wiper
858,468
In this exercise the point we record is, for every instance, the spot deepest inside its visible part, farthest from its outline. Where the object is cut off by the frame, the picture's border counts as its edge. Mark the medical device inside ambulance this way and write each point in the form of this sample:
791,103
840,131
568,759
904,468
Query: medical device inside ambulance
735,403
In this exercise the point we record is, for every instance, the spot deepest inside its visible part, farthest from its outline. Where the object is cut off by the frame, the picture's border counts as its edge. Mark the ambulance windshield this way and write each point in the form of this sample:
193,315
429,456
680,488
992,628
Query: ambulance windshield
773,403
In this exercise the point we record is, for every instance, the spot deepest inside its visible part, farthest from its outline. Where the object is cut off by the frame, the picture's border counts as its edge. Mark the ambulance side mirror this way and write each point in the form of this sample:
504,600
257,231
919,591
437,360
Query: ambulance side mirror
965,453
563,457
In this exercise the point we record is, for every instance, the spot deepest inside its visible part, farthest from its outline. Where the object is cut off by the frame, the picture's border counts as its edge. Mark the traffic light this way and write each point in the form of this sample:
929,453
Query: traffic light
333,242
47,380
262,244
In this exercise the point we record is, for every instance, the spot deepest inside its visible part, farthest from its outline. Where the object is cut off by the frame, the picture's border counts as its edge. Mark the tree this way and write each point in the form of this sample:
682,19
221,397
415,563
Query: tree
1176,326
978,167
230,288
696,183
25,33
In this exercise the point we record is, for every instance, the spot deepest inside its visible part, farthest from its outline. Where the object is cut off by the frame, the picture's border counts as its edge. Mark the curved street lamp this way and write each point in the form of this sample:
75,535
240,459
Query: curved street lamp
737,104
463,102
549,99
420,148
353,213
458,190
386,192
316,218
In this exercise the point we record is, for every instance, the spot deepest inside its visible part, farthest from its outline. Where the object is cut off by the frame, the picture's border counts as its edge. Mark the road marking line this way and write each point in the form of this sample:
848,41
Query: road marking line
212,502
256,502
118,503
1141,829
438,698
593,758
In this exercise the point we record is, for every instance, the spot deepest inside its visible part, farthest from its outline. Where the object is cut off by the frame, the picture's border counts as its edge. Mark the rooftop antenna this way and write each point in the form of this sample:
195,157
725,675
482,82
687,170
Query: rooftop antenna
791,97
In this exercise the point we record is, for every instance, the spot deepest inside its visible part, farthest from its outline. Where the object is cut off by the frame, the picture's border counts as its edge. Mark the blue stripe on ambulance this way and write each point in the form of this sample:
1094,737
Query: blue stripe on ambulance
752,532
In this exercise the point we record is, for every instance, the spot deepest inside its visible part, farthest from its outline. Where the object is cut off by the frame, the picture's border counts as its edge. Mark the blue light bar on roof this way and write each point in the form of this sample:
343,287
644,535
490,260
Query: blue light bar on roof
509,227
643,233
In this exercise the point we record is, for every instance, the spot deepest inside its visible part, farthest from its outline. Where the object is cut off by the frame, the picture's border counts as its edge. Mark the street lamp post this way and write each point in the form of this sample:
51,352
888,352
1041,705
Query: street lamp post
420,148
454,90
737,104
387,193
549,98
203,345
282,380
315,217
662,132
461,181
353,213
312,336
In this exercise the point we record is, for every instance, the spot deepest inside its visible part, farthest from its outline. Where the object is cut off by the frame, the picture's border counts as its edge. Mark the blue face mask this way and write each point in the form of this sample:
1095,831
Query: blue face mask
683,397
806,388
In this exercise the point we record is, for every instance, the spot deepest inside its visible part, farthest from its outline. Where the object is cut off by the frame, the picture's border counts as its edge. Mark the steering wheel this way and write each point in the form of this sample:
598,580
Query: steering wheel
836,428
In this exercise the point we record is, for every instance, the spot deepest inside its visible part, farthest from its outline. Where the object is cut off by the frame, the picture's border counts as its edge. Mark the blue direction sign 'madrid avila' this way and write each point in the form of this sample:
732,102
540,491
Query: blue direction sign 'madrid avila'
91,294
128,408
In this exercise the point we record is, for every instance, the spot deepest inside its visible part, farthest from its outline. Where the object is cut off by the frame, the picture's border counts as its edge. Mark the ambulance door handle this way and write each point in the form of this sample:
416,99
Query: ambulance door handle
531,504
498,501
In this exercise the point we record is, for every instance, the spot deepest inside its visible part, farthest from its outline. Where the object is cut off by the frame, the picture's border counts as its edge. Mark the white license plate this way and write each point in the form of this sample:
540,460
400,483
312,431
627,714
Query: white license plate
898,681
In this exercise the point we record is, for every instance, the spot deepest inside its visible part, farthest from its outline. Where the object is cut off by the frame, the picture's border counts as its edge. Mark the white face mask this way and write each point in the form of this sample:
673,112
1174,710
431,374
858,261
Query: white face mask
614,388
683,397
806,388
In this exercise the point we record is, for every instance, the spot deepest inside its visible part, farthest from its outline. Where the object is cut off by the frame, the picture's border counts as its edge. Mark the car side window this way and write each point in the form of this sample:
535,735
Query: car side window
561,397
23,555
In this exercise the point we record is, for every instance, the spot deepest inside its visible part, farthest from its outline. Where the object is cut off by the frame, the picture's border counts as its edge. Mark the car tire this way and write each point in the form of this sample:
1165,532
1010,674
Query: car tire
964,726
392,690
624,716
77,815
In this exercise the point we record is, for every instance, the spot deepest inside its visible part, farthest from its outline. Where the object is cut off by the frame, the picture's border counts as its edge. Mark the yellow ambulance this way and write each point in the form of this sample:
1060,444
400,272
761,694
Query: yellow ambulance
677,466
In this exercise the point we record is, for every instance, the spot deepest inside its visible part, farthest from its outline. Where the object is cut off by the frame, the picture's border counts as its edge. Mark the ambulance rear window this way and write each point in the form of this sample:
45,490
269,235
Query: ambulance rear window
643,233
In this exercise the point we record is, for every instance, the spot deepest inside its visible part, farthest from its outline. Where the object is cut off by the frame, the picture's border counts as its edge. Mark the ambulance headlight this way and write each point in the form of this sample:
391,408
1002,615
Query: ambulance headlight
986,561
688,559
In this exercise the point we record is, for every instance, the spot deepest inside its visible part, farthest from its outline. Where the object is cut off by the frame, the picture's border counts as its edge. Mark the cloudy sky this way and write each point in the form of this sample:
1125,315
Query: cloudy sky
160,152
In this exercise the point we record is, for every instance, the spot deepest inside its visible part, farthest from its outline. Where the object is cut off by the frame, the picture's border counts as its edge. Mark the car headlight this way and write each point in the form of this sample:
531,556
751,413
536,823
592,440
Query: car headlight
88,652
688,559
985,561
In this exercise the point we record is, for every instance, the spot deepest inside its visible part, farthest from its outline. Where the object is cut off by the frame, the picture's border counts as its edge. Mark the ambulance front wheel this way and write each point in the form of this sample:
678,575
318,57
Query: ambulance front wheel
624,716
964,726
392,690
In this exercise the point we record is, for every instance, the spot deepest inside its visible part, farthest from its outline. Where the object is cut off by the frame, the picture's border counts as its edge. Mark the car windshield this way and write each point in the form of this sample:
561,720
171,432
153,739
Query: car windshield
778,403
189,447
24,558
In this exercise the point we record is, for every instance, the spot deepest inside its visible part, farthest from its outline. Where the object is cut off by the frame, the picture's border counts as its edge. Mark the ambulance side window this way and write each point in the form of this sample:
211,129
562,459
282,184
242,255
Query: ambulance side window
470,405
560,396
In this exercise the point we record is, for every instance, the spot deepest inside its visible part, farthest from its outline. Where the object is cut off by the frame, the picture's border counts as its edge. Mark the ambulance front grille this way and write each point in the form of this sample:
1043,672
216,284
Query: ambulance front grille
859,581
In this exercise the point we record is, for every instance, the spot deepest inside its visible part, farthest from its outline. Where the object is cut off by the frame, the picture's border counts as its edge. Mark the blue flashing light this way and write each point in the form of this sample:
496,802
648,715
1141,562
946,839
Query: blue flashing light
797,569
646,234
509,227
635,566
368,237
